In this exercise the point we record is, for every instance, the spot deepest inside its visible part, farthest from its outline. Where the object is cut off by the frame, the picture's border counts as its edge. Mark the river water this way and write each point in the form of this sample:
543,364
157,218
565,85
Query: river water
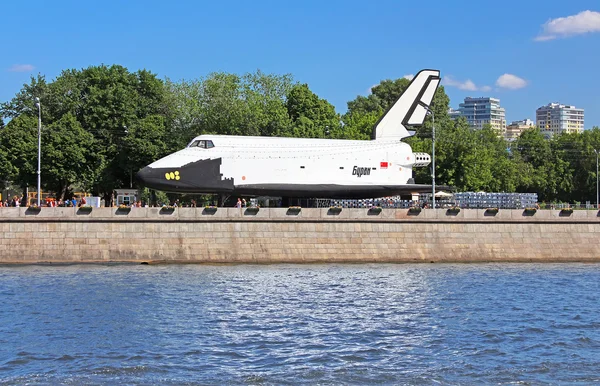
300,324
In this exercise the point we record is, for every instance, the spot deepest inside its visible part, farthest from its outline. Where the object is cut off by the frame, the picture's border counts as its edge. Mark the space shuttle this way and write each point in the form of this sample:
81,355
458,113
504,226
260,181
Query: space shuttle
302,167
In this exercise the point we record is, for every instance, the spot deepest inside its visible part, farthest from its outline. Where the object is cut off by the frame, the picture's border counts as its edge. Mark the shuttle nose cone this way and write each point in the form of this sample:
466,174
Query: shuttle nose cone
165,179
143,175
202,176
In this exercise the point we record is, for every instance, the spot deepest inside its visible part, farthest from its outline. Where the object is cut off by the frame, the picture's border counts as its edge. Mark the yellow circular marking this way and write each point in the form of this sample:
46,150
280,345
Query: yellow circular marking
172,175
177,178
177,173
167,176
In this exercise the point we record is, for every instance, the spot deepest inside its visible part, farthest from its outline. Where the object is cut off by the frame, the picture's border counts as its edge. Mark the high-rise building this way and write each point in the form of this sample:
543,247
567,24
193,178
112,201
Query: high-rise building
516,128
453,113
555,118
481,111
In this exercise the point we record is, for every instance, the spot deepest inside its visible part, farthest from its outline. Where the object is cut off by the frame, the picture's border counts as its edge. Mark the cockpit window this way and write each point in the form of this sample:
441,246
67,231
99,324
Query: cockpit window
202,144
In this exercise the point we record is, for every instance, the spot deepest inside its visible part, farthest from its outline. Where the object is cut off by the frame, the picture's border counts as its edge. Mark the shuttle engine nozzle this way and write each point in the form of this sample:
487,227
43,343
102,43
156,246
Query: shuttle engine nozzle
421,159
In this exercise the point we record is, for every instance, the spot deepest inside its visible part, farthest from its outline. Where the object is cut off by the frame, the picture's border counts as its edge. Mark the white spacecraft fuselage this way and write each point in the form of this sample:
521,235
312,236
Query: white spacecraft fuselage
300,167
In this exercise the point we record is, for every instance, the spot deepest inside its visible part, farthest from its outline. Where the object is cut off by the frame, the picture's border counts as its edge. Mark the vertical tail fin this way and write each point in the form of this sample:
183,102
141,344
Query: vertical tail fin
410,109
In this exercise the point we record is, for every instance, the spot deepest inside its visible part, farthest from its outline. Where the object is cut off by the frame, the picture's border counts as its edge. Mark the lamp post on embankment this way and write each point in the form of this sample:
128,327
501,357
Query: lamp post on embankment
597,195
38,104
125,133
429,111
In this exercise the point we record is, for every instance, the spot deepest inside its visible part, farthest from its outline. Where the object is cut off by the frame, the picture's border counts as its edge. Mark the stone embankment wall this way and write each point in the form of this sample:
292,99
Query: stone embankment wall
231,235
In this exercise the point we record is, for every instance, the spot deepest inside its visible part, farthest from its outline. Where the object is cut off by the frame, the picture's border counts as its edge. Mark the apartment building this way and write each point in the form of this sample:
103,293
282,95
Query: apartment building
555,118
514,130
481,111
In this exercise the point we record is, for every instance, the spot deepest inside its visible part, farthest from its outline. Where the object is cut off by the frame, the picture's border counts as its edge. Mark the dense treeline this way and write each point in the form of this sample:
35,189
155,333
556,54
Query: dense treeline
103,123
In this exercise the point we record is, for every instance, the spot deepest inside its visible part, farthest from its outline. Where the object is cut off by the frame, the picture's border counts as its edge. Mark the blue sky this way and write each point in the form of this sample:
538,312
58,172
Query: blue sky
549,49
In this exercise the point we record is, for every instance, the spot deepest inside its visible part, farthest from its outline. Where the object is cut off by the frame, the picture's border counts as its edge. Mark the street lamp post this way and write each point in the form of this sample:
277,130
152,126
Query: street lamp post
126,131
39,171
597,195
432,156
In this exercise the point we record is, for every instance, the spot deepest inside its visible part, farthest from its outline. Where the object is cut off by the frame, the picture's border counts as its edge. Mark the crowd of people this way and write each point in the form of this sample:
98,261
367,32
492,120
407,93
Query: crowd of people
17,201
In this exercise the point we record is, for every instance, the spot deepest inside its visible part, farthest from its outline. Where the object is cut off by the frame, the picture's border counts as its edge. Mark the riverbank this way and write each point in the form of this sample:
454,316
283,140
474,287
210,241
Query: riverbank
281,235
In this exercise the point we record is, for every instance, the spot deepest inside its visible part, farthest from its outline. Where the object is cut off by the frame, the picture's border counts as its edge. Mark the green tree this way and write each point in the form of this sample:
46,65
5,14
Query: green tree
18,143
104,100
24,102
6,169
228,104
551,175
264,95
222,105
143,144
311,116
185,117
578,150
113,99
469,159
357,126
68,156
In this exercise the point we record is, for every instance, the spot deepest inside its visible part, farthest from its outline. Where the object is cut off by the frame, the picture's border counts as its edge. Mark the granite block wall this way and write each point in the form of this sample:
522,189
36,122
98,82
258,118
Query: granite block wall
231,235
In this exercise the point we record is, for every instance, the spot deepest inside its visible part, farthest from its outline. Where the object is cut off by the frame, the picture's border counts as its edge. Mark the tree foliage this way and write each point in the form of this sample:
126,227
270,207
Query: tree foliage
311,116
85,114
68,156
143,144
18,143
228,104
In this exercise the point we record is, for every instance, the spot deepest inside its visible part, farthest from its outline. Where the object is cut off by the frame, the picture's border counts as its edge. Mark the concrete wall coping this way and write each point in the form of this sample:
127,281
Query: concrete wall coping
284,214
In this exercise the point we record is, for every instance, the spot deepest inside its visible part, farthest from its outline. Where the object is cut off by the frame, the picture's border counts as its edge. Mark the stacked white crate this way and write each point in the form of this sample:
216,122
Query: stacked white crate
484,200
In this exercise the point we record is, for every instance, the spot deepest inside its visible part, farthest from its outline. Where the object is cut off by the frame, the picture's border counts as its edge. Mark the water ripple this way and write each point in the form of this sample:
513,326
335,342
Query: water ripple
290,324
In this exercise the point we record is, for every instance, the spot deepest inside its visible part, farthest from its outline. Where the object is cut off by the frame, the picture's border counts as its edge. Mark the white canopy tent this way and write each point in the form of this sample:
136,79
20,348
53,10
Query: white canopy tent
442,194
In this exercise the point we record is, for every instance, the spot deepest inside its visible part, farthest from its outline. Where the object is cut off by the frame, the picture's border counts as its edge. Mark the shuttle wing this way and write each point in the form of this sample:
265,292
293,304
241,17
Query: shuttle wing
410,109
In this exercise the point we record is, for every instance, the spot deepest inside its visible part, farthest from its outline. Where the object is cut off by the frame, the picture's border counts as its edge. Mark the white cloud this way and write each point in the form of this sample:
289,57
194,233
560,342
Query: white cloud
511,82
370,90
582,23
409,76
21,68
467,85
508,81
